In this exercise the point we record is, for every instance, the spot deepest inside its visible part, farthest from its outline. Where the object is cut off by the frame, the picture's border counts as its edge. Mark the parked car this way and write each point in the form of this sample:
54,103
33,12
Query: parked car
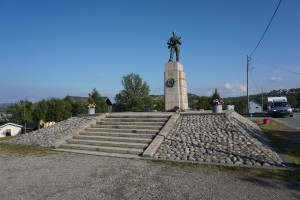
280,109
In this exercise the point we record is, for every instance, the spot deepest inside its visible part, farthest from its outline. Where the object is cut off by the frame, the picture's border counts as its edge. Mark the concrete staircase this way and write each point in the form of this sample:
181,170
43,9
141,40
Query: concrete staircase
119,134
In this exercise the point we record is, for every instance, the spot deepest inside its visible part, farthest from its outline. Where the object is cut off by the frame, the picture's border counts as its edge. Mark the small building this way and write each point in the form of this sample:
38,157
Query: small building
255,107
10,129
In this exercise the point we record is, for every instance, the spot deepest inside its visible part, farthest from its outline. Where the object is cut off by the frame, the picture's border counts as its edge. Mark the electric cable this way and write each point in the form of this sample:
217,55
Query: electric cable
266,28
276,67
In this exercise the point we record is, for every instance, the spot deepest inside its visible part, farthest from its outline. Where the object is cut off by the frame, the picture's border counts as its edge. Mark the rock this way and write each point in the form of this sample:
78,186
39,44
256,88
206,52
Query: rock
266,165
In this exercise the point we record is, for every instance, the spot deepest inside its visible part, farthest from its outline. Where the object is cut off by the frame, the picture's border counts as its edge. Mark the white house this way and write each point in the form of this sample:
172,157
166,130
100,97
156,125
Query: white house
9,129
255,107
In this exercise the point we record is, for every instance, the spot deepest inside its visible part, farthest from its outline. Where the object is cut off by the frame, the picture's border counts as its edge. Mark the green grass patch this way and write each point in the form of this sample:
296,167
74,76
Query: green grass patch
267,173
288,141
285,137
23,150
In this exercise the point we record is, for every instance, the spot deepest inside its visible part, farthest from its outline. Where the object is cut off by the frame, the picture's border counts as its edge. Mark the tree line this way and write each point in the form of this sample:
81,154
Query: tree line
53,109
133,97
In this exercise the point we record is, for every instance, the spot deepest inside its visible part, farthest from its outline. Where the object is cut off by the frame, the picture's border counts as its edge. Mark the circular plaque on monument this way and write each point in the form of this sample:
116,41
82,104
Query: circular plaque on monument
170,82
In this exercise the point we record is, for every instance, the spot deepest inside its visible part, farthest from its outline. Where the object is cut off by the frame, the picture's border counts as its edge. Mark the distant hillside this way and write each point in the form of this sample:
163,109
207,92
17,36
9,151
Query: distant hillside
3,106
293,96
198,102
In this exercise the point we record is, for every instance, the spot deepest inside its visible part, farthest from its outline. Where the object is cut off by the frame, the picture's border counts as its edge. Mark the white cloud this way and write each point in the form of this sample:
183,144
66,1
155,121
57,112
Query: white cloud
234,89
235,86
243,88
275,78
228,86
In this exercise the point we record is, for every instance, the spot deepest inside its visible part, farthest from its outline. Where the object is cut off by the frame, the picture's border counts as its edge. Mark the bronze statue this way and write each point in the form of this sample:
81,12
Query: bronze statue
174,45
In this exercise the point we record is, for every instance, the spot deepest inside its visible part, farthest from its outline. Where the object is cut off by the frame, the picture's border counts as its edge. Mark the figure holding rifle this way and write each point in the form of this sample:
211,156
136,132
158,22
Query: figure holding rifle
174,45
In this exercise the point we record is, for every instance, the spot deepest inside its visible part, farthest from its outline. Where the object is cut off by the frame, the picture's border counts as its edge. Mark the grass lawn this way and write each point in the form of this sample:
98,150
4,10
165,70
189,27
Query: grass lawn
14,149
285,137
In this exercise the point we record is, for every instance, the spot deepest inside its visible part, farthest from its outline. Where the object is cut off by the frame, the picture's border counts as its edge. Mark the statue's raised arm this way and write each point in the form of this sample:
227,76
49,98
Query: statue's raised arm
174,45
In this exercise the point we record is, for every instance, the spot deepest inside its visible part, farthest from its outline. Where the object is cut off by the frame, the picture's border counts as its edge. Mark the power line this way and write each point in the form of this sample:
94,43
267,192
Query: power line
266,29
277,67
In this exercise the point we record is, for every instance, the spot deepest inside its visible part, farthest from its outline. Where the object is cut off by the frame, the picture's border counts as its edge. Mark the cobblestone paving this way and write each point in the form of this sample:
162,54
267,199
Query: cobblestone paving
218,139
47,137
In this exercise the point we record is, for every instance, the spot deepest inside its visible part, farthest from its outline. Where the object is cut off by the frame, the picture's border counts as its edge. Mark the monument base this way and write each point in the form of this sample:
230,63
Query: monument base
175,87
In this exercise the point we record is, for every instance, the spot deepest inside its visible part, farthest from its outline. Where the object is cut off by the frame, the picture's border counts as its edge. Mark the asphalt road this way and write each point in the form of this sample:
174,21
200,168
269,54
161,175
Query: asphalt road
291,121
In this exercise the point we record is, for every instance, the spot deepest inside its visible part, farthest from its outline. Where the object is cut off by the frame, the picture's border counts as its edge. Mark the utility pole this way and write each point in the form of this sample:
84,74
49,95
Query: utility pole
248,69
262,99
247,84
25,119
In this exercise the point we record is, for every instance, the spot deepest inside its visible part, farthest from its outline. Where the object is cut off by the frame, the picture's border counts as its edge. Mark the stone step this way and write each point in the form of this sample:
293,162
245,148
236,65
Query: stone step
116,139
126,126
122,130
120,150
136,115
135,119
119,134
111,134
131,123
98,153
108,143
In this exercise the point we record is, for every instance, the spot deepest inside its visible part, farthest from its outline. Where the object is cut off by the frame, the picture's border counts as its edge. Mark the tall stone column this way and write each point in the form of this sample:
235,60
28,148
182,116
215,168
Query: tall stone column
175,86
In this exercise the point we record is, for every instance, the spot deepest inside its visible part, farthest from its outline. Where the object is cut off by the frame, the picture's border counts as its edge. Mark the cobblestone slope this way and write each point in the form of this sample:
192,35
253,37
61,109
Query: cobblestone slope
218,139
47,137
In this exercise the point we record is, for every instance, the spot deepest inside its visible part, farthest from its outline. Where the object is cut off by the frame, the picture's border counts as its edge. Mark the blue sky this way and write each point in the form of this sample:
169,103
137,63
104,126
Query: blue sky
54,48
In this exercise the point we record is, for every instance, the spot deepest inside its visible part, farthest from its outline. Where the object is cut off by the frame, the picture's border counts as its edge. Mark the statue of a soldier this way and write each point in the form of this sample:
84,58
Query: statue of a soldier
174,45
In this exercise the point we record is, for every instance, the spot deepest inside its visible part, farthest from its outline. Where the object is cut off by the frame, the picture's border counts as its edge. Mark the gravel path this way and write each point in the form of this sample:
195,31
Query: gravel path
76,176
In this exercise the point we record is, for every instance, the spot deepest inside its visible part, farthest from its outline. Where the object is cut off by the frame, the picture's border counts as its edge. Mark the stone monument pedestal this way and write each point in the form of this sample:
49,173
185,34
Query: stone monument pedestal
175,86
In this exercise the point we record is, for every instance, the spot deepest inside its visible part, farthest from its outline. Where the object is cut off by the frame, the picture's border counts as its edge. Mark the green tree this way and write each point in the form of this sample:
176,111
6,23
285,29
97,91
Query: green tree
159,103
241,106
78,107
135,94
40,111
21,112
298,100
58,110
99,101
67,107
293,101
204,103
215,95
193,100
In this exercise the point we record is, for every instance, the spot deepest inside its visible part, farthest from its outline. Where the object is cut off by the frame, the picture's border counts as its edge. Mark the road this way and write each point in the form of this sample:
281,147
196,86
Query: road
291,121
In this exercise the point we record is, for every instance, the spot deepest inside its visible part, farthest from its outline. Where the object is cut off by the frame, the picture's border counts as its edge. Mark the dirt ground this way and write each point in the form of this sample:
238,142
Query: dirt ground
78,176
